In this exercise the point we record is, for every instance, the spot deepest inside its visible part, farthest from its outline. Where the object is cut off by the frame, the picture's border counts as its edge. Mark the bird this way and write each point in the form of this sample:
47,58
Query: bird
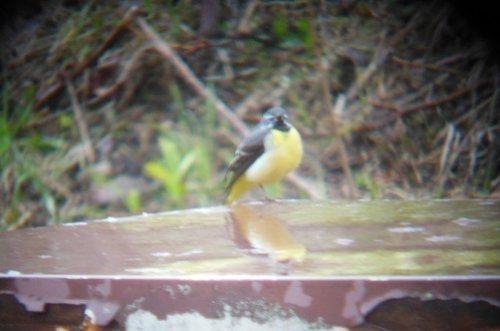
271,150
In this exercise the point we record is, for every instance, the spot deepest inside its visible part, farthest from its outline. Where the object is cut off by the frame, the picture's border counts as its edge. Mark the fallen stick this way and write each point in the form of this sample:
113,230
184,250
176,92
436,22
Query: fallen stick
336,113
380,57
185,72
82,124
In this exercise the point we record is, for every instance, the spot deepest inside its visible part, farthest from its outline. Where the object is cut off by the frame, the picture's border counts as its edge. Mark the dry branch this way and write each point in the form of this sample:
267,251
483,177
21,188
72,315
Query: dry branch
82,124
401,111
432,67
185,72
244,26
445,162
380,57
335,112
125,76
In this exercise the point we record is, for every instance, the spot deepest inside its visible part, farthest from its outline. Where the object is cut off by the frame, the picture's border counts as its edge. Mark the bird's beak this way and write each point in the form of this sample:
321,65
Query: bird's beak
281,119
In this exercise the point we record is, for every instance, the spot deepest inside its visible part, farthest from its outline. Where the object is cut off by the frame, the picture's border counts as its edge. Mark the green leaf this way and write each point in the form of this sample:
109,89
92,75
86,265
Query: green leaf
157,171
280,26
307,32
186,163
169,152
50,204
133,201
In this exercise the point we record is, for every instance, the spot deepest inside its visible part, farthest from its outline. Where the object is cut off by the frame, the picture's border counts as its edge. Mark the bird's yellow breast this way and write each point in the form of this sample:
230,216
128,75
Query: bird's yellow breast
283,153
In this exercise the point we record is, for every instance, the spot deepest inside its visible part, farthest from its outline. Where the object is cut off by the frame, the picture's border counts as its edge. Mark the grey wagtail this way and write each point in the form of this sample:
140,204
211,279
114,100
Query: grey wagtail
266,155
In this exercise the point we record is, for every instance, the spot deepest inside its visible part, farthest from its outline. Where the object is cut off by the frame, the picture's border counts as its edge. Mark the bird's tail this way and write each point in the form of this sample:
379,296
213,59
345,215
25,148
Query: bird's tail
239,187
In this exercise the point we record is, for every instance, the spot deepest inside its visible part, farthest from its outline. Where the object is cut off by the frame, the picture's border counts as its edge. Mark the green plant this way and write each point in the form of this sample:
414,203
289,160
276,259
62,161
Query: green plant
21,157
171,169
12,121
185,167
301,32
280,26
133,201
149,8
306,32
274,190
366,182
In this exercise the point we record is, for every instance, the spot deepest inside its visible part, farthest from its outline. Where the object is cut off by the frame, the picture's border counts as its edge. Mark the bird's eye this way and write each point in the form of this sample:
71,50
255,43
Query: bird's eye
268,117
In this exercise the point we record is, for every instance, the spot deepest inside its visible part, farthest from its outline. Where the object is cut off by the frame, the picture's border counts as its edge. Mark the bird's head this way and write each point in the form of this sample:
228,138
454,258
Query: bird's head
278,118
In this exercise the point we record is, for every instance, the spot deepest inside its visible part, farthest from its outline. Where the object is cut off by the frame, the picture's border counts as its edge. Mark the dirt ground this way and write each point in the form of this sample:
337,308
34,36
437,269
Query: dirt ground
123,107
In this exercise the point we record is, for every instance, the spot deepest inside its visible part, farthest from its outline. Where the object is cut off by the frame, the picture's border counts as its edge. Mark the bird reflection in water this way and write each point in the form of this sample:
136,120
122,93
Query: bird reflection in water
257,232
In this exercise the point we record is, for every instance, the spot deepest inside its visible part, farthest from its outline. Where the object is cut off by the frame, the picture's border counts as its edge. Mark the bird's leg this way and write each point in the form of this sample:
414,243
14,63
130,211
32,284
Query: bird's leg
266,197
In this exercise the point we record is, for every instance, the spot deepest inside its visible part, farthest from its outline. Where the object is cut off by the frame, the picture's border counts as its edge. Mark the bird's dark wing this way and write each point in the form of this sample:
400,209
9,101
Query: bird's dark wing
247,152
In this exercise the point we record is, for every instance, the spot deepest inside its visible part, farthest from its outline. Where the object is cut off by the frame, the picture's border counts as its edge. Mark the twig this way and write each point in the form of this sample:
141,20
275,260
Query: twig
22,221
423,91
401,111
336,112
243,26
227,68
447,159
252,101
125,79
373,125
305,186
431,67
380,57
185,72
266,95
57,87
80,120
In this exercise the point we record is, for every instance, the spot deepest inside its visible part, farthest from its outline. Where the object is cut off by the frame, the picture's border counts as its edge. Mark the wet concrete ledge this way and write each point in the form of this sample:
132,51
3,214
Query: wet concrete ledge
268,265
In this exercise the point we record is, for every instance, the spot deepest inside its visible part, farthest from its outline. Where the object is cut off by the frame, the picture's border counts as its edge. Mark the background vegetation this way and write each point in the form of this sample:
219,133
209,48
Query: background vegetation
394,99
